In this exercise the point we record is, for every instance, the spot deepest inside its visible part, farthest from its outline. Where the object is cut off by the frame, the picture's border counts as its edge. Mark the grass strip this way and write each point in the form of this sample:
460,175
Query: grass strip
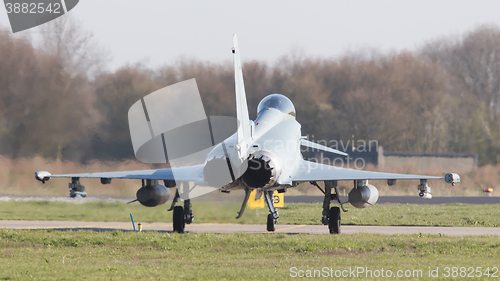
49,254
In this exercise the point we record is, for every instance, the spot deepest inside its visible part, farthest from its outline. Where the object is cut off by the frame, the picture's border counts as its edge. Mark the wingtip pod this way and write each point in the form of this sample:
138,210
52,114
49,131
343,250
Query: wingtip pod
42,176
452,178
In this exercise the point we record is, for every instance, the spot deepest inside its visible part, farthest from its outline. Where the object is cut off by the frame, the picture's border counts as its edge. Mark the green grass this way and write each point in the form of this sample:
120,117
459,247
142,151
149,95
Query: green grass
116,255
401,214
47,254
225,212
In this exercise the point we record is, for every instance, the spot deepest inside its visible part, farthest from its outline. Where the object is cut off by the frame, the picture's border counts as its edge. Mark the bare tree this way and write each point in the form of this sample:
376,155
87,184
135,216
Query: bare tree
472,66
66,38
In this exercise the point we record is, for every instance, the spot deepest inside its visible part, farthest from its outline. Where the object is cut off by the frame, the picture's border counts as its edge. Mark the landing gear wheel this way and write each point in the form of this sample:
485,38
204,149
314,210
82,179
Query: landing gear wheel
179,219
270,223
334,220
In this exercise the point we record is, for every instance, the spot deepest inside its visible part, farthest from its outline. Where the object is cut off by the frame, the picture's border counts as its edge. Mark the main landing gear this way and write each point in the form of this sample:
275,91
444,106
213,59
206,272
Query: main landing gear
331,216
76,189
181,215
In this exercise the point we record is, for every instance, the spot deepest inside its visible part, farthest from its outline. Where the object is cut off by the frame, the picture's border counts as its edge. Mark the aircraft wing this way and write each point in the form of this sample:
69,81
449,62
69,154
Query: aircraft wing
311,171
187,173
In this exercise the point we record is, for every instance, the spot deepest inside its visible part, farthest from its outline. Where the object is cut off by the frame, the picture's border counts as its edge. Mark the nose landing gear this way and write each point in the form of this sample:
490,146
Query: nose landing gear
272,218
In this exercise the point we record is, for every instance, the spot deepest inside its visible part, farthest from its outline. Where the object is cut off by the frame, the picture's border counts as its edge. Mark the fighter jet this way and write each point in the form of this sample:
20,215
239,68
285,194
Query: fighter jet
262,155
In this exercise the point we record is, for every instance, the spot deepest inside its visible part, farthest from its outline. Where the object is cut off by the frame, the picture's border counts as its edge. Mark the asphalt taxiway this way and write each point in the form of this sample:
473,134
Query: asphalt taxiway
249,228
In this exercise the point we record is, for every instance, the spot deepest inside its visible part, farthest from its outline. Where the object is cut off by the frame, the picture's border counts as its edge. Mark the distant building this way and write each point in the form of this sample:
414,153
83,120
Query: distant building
423,160
389,161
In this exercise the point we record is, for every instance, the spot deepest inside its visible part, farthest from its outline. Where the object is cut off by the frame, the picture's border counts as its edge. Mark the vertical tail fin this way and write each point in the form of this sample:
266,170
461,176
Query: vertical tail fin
244,129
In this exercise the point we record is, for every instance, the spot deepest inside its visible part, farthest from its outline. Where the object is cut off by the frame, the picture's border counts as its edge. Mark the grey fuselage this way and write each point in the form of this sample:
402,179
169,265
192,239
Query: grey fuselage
275,136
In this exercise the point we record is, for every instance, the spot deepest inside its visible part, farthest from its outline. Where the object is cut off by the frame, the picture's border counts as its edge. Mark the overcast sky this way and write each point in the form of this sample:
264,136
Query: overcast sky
156,32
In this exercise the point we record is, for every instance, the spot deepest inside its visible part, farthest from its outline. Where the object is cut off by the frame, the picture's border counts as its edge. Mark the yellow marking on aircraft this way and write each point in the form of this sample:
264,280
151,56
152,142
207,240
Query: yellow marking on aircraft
279,200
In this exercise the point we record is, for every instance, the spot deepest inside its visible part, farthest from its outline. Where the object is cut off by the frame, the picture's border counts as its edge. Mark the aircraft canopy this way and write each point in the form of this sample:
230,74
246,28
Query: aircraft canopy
277,101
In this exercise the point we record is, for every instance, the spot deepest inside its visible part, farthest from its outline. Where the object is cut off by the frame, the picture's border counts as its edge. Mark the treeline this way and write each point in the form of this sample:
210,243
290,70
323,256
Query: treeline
55,101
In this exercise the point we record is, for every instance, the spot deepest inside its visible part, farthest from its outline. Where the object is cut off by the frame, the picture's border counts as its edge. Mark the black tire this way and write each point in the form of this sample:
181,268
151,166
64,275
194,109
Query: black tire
334,220
179,219
270,223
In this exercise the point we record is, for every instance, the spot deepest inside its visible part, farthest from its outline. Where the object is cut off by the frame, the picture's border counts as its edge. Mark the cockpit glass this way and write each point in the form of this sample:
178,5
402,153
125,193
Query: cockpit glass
277,101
